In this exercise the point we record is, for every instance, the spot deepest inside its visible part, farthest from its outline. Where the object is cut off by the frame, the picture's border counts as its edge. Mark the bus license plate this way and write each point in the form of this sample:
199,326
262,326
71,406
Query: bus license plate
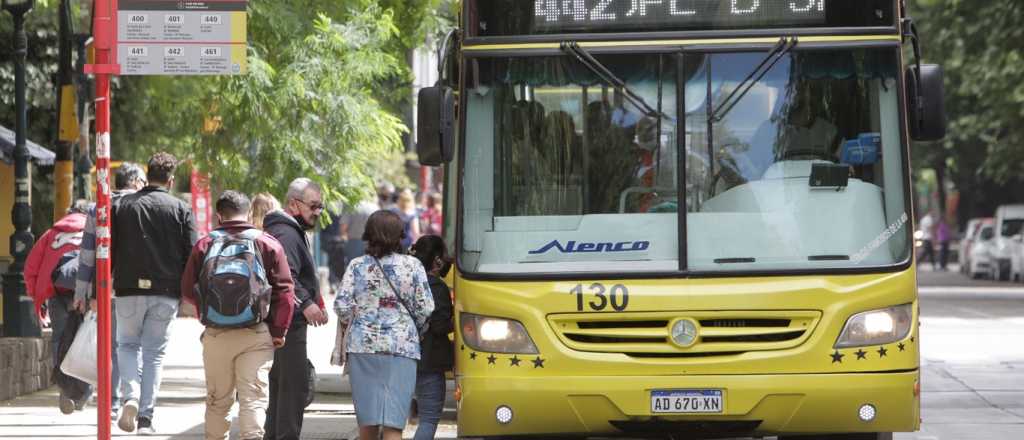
687,401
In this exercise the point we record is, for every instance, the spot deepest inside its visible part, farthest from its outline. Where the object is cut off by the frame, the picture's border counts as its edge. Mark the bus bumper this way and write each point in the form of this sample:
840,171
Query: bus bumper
754,404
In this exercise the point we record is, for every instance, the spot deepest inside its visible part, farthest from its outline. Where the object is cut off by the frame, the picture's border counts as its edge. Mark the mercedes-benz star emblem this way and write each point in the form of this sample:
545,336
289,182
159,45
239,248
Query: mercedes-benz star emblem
684,332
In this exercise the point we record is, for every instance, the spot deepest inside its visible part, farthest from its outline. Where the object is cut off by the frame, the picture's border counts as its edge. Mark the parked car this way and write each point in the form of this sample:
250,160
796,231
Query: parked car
1009,222
1017,259
969,237
981,251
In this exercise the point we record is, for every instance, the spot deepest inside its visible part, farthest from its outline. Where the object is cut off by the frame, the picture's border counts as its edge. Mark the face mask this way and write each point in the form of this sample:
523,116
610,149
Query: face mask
306,226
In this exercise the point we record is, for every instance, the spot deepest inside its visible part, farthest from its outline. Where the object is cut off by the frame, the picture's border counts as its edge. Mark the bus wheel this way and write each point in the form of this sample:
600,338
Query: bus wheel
859,436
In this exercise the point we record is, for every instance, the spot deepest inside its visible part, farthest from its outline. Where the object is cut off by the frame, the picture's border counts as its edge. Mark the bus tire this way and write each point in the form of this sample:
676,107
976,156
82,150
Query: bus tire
858,436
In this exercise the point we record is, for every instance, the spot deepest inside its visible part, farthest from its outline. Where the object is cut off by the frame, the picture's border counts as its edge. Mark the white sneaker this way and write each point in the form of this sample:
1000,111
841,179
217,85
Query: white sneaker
126,419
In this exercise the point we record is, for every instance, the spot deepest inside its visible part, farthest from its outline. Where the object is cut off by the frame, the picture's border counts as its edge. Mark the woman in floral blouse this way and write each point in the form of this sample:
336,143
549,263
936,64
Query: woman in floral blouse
386,297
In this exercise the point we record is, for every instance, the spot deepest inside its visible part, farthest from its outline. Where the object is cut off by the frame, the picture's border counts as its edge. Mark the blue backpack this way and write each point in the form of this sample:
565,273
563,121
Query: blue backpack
233,287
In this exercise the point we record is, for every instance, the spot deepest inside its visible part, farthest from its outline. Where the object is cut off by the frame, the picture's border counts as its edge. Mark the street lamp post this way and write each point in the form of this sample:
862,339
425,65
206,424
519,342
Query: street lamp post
17,305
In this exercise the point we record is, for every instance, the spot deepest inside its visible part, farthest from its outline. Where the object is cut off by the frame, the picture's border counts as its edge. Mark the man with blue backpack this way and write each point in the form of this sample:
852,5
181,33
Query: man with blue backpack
240,283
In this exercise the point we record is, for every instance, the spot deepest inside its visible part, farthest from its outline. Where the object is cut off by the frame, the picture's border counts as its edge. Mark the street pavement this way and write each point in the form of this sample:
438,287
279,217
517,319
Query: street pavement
972,376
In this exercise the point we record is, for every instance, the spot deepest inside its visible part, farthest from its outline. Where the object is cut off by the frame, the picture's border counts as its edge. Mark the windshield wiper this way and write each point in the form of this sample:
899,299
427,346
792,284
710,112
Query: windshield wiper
777,53
606,75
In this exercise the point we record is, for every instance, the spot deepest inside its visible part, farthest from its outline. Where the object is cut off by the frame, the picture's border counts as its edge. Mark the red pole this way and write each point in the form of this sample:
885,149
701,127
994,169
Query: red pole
105,33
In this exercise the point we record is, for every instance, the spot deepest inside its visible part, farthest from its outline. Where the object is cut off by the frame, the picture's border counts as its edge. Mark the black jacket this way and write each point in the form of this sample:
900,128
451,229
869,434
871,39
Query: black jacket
436,352
287,231
153,234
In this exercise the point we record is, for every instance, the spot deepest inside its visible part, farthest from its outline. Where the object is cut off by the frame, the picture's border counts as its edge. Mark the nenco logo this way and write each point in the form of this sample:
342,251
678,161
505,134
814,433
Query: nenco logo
572,247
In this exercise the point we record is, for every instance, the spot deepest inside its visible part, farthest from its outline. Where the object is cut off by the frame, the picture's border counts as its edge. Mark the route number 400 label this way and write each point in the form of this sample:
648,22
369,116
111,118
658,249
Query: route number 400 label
602,297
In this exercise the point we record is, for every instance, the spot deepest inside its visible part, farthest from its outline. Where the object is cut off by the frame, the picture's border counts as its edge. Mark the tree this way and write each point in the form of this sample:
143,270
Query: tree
978,44
320,99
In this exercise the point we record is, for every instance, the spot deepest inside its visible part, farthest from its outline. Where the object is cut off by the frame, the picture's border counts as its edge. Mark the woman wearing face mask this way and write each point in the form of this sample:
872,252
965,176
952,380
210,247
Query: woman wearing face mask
437,352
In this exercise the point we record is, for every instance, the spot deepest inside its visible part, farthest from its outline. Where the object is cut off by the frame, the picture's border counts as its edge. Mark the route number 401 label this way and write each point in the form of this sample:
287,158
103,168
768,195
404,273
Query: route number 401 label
602,297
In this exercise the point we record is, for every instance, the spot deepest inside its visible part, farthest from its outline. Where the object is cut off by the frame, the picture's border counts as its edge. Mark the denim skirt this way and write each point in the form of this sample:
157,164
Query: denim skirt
382,388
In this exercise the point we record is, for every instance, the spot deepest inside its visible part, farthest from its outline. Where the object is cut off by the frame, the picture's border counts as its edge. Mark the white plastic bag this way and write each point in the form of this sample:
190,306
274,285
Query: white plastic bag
80,362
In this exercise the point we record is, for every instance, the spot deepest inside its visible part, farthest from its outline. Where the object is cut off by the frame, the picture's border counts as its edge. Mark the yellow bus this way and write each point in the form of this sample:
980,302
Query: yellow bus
683,218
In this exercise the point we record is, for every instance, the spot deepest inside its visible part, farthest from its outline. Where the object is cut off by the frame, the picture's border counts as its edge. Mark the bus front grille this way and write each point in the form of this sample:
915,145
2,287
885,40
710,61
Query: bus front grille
648,334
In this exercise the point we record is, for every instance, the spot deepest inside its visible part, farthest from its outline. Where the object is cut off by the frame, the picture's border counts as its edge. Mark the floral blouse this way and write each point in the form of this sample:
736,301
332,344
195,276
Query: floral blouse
382,323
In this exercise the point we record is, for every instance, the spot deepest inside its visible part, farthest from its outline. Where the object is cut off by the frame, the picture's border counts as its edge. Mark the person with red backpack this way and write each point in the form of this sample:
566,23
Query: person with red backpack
240,283
52,304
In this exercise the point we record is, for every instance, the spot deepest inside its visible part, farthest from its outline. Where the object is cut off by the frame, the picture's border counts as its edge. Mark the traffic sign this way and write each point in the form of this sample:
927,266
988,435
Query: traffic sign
182,37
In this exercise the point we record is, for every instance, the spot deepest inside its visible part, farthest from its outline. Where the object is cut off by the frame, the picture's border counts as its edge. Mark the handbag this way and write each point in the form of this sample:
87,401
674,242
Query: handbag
311,377
80,360
71,387
420,331
340,356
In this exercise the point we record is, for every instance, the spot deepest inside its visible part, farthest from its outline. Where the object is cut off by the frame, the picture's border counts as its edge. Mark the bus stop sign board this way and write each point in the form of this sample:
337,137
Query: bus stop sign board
181,37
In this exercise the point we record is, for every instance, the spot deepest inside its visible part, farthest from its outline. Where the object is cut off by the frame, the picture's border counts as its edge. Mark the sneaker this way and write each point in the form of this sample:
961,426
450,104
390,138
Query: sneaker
126,418
146,426
81,404
67,406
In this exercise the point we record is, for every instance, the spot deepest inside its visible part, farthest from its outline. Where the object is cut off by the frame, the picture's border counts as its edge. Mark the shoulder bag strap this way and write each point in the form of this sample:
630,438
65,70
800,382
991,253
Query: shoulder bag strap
393,289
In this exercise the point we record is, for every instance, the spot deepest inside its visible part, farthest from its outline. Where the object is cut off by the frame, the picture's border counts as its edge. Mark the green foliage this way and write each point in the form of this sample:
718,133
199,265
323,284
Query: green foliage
978,43
307,106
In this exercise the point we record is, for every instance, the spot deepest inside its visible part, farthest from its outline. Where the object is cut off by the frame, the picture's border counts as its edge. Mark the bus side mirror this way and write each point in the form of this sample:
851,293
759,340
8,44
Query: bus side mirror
925,98
435,125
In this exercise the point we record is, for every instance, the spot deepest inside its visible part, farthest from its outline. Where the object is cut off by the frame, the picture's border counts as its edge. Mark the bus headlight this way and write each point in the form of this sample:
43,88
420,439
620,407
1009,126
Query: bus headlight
876,327
495,335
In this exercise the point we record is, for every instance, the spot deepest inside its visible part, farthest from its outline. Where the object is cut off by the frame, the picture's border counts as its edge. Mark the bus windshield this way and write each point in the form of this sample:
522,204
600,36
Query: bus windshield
802,168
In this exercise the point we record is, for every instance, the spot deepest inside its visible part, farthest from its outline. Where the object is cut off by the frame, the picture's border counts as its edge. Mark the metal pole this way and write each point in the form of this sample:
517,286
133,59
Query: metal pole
17,304
105,29
67,124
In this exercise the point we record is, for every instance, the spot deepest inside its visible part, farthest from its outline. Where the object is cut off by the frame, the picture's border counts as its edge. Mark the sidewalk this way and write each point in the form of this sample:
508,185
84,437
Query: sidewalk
180,408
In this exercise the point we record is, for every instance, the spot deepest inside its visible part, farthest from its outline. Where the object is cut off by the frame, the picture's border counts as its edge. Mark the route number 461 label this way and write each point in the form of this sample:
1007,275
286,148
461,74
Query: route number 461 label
601,297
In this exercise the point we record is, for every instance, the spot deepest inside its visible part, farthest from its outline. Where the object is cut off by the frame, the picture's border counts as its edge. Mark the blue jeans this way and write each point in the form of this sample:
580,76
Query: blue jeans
59,307
430,388
142,327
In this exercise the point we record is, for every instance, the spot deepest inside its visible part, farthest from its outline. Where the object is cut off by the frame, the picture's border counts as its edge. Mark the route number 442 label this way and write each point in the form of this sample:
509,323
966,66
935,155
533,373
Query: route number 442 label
174,51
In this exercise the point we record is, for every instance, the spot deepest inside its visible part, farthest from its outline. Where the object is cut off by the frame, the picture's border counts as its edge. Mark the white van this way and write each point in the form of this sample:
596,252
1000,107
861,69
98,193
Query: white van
1009,227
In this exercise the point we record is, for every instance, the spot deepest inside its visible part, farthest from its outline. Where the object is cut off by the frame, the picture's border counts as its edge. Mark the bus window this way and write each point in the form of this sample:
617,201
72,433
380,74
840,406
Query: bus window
750,203
561,170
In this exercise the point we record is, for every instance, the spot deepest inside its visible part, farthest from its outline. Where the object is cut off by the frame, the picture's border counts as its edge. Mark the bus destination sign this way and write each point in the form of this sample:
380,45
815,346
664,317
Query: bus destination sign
491,18
604,15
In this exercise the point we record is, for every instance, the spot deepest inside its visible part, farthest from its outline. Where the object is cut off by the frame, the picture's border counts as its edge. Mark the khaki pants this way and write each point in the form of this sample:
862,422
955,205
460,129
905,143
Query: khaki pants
237,359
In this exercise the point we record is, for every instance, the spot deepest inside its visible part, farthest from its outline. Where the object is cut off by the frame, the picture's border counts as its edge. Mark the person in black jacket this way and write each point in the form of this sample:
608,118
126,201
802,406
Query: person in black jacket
437,355
153,234
289,384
